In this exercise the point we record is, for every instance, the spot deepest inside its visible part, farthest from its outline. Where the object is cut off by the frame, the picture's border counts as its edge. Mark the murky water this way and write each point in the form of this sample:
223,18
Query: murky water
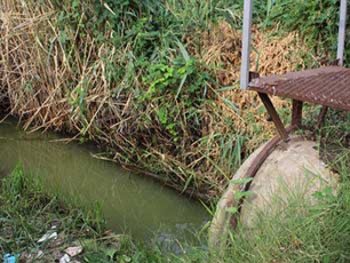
130,202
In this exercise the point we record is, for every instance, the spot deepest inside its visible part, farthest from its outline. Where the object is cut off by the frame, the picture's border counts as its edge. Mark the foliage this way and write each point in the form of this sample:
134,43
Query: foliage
153,82
302,232
27,211
126,74
317,21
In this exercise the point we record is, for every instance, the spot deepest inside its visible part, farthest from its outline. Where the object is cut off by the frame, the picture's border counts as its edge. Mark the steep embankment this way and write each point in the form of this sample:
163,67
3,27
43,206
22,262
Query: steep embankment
156,87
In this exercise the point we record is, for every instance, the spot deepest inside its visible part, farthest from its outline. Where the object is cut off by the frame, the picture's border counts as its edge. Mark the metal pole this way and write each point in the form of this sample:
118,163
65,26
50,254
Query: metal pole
341,34
247,23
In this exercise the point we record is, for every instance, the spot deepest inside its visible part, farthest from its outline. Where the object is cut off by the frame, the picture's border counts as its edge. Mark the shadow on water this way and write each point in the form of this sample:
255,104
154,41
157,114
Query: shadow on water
130,203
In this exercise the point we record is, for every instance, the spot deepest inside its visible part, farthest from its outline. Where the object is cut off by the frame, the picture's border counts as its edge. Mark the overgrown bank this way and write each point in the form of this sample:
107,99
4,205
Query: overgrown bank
154,82
301,232
39,227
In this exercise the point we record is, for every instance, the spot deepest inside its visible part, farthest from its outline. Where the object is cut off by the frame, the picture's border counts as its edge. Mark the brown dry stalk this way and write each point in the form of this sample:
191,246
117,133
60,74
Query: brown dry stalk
49,86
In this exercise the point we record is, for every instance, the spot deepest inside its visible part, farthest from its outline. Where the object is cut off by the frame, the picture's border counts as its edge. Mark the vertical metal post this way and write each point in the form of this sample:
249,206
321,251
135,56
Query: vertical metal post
341,34
247,23
297,113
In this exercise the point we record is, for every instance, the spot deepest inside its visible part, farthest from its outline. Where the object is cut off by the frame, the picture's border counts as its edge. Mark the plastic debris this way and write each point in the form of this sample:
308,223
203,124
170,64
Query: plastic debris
73,251
65,259
8,258
47,236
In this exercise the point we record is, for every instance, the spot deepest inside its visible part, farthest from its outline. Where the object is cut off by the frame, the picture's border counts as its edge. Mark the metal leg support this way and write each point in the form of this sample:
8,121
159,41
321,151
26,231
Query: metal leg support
322,116
297,112
274,116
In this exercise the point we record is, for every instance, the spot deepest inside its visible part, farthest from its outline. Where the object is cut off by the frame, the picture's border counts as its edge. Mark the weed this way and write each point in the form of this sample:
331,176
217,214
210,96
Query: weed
154,82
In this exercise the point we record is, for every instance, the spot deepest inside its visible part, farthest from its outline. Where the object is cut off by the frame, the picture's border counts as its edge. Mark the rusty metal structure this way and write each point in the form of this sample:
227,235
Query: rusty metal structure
327,86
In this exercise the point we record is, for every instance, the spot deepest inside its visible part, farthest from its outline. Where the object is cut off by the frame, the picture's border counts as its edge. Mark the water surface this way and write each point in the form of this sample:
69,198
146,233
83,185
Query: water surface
130,202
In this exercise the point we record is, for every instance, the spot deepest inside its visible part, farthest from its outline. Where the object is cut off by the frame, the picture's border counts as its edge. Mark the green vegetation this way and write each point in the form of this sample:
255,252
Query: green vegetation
27,212
305,233
129,75
153,82
317,21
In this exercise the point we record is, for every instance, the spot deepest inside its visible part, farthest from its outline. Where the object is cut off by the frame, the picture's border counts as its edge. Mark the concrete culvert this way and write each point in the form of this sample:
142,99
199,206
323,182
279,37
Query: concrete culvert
293,168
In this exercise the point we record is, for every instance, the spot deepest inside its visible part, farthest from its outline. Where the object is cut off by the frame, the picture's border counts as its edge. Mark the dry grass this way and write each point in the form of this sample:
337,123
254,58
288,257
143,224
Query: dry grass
271,55
50,86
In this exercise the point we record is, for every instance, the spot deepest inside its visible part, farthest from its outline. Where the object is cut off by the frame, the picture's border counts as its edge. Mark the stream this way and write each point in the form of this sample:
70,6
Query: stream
130,203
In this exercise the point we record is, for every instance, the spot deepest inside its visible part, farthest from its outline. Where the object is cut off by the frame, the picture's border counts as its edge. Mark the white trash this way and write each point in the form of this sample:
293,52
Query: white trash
73,251
65,259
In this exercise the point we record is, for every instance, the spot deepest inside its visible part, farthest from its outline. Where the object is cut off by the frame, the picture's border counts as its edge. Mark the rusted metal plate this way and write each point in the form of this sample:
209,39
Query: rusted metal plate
327,86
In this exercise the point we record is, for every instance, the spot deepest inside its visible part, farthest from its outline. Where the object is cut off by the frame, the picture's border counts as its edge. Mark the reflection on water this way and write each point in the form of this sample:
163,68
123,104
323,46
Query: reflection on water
129,202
